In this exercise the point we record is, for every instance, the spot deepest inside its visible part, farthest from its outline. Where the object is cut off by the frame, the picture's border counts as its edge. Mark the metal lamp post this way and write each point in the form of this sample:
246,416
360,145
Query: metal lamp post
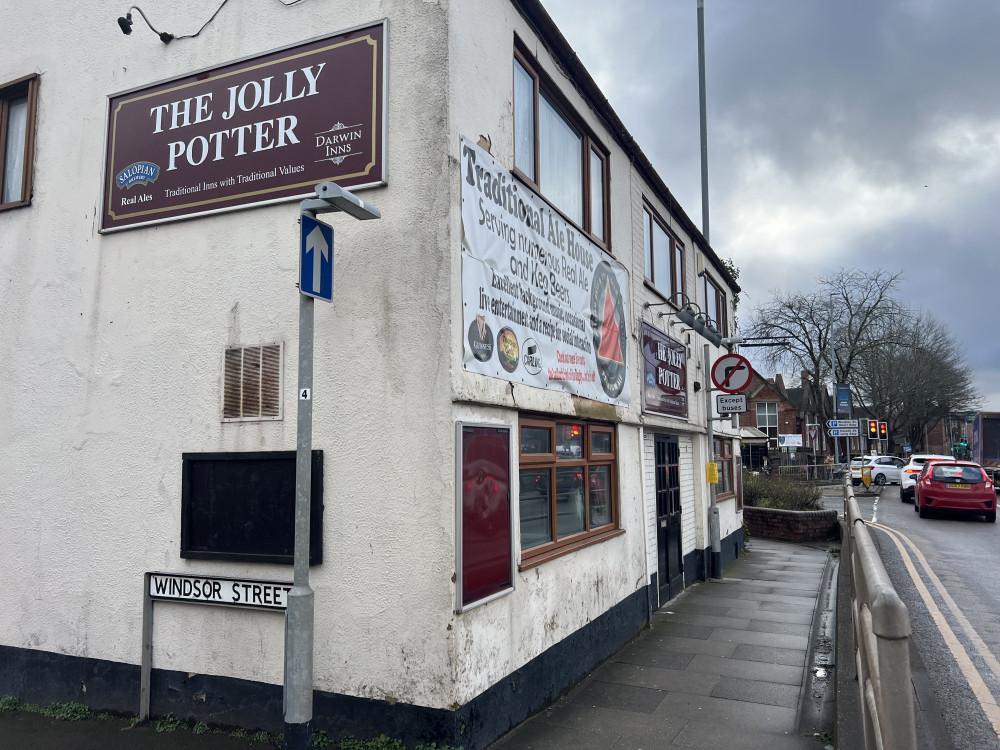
298,695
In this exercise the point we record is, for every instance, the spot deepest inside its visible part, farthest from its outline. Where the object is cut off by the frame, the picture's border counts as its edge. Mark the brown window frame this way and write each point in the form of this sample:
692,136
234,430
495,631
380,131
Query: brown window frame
718,317
22,87
589,144
533,463
723,453
676,253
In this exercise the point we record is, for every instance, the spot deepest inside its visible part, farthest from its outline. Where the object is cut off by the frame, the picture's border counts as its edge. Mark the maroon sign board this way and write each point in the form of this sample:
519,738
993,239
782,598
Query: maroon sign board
485,527
664,388
257,131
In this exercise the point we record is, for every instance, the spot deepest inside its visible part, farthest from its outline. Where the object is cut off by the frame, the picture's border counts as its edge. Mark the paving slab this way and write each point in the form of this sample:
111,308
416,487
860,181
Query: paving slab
771,655
750,717
714,665
759,639
619,696
699,734
711,621
758,691
675,680
776,626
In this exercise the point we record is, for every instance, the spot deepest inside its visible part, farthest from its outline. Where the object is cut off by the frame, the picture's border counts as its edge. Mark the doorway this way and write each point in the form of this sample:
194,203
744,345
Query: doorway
670,559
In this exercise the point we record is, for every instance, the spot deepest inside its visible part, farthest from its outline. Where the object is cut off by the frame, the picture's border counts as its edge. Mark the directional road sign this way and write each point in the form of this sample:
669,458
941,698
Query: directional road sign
731,373
843,431
316,259
841,423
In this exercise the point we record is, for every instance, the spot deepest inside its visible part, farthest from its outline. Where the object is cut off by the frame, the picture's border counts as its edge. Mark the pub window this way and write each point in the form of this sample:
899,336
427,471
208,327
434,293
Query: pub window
252,383
715,305
18,105
664,258
567,481
556,154
724,458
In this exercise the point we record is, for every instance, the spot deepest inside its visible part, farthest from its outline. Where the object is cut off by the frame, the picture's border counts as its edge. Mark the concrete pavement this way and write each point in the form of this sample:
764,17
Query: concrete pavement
742,662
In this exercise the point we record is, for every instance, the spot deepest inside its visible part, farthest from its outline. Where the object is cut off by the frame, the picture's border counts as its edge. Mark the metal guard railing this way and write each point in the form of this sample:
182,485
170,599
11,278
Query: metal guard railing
881,640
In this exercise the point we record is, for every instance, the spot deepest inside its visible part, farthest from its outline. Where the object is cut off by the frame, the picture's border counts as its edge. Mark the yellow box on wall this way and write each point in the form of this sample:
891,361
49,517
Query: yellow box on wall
712,472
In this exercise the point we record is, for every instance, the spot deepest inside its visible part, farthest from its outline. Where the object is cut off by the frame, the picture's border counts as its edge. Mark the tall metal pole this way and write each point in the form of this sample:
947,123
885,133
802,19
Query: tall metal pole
704,127
713,514
714,529
300,610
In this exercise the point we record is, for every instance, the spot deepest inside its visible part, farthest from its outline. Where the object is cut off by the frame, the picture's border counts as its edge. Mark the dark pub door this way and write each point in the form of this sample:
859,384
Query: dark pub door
670,572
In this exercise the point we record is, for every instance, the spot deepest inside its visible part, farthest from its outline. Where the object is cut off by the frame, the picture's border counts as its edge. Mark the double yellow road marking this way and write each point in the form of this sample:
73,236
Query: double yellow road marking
908,551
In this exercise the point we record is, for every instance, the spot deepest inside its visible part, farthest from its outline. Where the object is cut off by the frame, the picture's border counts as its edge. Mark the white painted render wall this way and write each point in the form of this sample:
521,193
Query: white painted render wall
113,351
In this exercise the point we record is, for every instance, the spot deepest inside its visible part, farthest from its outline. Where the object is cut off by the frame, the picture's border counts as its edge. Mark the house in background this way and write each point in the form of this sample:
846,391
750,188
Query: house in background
775,411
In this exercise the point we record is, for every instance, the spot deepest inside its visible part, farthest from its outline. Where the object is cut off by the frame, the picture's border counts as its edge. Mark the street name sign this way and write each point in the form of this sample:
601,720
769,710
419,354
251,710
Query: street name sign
734,403
843,431
841,423
731,373
230,592
316,259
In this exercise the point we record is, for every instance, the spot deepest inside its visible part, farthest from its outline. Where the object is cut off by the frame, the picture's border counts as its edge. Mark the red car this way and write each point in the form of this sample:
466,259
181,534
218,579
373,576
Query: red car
954,485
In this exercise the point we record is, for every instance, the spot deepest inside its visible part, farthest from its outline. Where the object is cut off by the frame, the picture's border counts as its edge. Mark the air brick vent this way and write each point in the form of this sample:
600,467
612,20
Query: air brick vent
252,383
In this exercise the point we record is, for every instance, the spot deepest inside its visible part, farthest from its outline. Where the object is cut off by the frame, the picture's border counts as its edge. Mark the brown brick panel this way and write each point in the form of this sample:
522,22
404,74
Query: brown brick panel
792,525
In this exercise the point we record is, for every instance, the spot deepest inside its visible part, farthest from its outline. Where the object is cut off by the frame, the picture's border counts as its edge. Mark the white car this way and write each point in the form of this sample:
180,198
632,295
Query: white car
884,469
856,463
911,472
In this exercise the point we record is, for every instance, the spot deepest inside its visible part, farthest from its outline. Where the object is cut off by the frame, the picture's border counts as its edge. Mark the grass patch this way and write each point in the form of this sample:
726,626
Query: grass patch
168,723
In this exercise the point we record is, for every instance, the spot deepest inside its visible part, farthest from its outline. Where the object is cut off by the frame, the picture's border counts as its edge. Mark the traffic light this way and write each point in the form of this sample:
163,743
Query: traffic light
873,429
883,431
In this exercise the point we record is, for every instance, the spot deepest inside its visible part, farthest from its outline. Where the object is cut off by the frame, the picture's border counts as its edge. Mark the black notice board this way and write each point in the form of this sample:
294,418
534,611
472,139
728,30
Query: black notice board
241,507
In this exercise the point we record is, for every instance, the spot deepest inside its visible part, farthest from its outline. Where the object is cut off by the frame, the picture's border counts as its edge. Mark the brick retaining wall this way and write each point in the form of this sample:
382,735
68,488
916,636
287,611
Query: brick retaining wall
792,525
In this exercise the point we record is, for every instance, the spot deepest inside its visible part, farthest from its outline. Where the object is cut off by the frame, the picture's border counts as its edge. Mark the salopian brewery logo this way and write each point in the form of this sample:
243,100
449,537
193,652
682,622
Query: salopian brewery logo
137,173
607,317
507,350
480,339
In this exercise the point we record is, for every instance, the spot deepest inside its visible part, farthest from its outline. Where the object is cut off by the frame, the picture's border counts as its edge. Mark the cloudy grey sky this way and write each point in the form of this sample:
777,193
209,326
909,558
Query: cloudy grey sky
841,133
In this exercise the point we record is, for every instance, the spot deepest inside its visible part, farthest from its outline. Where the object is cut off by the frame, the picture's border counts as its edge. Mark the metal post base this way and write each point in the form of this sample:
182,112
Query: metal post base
297,736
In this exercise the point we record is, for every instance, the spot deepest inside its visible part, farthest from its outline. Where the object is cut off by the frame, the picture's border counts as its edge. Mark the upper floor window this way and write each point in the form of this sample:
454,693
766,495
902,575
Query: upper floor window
715,305
554,151
664,258
18,102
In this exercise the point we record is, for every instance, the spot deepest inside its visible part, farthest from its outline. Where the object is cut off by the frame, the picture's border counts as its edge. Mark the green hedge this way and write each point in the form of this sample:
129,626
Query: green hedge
776,491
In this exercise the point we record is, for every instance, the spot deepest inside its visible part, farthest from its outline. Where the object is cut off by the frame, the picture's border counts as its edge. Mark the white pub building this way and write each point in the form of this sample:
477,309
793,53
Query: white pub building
510,452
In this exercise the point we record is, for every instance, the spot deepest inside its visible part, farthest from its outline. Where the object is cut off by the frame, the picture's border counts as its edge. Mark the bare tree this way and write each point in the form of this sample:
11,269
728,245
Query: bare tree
824,332
915,378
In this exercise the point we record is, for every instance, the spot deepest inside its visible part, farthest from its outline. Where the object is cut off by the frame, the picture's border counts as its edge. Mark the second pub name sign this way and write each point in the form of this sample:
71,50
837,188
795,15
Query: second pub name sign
664,373
257,131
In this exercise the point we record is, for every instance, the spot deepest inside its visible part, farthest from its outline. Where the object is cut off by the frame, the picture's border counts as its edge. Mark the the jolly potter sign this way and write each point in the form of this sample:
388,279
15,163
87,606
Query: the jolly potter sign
257,131
664,374
544,306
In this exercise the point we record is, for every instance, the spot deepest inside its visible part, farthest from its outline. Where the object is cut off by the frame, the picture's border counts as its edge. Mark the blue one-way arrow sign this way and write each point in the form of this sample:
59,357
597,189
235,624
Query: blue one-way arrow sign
316,259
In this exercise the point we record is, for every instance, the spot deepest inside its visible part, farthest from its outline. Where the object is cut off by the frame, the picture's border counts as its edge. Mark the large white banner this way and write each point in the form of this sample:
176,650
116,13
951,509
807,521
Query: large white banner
544,305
